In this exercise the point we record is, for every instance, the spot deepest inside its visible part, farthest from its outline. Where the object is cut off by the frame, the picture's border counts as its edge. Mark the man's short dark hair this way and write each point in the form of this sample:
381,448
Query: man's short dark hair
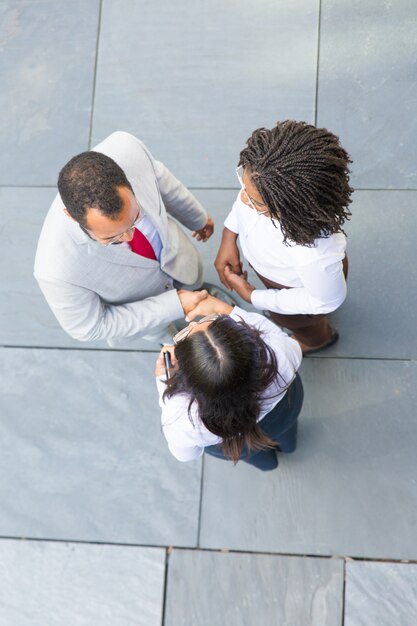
90,179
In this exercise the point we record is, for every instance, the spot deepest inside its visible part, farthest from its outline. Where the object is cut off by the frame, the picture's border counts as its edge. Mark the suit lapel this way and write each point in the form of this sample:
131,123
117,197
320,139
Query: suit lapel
120,254
150,201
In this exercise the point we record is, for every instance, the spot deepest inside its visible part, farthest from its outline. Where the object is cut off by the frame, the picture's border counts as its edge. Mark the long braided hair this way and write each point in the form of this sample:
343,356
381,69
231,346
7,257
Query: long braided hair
302,174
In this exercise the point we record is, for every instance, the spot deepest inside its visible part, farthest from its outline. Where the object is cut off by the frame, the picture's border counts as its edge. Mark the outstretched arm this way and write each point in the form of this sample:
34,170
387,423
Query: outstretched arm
207,306
84,316
228,257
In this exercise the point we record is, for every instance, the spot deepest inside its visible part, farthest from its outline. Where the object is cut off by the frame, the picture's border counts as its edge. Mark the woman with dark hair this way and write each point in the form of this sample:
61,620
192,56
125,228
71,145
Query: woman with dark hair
289,218
233,390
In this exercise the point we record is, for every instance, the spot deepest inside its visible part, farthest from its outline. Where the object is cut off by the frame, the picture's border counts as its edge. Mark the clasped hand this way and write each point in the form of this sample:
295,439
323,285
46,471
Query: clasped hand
239,283
229,267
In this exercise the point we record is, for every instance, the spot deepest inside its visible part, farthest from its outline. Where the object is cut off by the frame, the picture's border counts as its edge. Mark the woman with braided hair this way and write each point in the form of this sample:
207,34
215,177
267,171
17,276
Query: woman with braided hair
289,218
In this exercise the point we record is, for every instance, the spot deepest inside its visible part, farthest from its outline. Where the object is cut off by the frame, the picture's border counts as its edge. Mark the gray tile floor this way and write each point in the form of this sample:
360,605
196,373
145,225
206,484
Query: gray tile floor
98,523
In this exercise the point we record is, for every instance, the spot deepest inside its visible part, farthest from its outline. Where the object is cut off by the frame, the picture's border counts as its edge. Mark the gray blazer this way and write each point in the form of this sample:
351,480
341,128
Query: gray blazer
109,292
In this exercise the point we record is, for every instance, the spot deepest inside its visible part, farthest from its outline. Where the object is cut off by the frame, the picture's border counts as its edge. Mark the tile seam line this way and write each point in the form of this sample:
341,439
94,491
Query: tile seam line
68,349
53,186
164,593
93,94
316,95
156,351
328,557
200,504
360,358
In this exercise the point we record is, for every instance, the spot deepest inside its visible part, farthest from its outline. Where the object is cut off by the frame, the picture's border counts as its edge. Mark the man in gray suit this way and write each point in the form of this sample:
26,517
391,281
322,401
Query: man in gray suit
111,260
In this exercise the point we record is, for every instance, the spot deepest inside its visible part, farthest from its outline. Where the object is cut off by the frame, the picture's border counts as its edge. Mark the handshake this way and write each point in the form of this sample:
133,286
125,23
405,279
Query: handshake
200,303
231,274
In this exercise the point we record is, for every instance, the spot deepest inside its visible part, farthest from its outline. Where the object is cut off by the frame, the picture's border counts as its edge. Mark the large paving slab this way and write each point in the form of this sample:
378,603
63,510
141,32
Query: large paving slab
48,51
82,453
349,489
378,318
25,317
193,80
247,589
381,593
58,584
367,90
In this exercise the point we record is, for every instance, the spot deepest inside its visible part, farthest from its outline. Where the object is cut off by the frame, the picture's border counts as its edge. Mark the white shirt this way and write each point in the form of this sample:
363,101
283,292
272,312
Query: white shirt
148,229
315,273
187,439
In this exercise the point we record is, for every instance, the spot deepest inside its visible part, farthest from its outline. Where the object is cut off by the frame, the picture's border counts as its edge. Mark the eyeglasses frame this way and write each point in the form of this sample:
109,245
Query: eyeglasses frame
239,174
118,238
183,334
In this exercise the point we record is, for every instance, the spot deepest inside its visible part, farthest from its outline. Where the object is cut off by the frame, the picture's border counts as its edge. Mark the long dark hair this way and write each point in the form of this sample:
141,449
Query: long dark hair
224,370
302,174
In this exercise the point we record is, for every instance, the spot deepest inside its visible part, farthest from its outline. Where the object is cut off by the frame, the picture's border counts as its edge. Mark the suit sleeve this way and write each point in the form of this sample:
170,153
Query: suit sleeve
84,316
178,200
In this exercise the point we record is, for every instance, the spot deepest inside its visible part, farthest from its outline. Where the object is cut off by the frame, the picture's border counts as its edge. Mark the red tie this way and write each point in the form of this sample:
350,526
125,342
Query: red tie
140,245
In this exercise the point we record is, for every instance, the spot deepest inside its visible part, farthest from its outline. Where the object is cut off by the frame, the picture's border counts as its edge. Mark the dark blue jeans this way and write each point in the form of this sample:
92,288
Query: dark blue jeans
280,424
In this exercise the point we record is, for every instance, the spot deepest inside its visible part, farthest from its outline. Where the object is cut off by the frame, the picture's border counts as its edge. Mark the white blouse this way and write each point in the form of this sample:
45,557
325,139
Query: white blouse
315,273
187,438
